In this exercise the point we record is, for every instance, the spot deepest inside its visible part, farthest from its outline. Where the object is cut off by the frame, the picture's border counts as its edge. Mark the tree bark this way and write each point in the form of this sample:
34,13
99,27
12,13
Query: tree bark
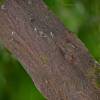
56,60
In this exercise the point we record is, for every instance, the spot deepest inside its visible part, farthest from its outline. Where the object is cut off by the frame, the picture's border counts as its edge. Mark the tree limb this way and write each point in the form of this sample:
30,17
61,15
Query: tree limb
56,60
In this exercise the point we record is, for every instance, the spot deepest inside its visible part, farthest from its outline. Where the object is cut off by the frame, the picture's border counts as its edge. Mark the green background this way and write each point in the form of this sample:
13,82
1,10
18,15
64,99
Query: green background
81,17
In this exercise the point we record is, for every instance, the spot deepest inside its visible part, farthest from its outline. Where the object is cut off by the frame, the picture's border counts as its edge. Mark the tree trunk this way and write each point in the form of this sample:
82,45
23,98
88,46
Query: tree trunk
56,60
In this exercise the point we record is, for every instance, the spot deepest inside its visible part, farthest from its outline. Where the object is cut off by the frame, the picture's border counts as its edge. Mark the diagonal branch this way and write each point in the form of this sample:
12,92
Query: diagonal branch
56,60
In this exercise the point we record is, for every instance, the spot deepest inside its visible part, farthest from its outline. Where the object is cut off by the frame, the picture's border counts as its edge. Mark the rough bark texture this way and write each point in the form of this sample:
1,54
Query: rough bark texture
56,60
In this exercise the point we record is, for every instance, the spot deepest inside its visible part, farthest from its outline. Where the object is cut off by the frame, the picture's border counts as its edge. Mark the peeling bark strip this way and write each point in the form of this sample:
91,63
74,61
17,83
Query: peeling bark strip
56,60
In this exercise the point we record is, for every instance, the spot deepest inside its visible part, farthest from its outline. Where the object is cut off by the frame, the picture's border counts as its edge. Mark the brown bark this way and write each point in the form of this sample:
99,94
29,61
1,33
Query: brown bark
56,60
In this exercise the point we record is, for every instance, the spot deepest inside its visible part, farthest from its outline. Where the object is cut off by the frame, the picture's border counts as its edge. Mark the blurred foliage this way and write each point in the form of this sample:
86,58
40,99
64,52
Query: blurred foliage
1,2
81,17
15,84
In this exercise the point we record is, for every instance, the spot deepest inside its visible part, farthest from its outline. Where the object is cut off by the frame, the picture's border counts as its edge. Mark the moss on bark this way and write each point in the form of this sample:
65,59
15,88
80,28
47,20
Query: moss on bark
2,2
